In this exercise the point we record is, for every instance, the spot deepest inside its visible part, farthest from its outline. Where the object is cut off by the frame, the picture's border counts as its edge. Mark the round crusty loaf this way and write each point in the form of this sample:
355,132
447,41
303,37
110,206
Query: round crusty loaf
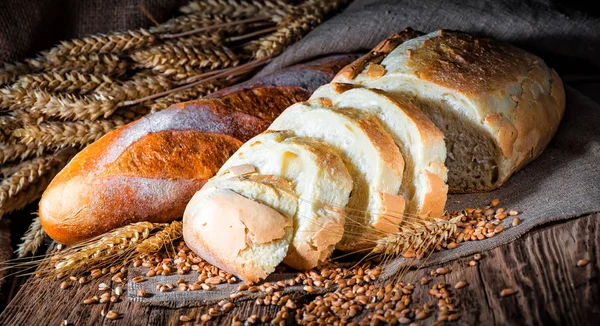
320,180
420,141
242,224
371,157
498,106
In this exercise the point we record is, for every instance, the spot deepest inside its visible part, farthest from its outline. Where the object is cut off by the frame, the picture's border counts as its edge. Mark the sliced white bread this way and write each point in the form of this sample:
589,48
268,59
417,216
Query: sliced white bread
319,178
420,141
242,224
371,157
498,106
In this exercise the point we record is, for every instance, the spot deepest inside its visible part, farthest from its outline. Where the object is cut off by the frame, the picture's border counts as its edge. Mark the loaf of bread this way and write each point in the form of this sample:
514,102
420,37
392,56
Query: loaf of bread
498,106
417,116
149,169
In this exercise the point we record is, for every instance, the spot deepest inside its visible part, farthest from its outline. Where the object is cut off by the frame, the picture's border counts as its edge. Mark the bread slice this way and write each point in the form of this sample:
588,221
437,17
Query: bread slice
498,106
371,157
254,211
420,141
321,181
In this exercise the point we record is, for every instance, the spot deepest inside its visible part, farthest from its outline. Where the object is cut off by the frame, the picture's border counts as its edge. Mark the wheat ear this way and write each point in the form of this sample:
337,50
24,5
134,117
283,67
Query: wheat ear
293,26
181,54
95,63
104,43
13,150
104,249
140,85
55,135
193,93
161,238
70,106
69,82
27,173
237,8
33,238
34,186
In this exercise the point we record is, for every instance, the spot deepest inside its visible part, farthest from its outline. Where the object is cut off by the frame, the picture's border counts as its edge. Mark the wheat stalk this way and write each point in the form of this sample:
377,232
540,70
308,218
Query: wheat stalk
161,238
293,26
196,21
33,238
69,82
104,43
104,249
237,8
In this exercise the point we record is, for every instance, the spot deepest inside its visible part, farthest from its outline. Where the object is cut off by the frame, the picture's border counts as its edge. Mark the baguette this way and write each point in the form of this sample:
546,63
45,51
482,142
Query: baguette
148,170
396,116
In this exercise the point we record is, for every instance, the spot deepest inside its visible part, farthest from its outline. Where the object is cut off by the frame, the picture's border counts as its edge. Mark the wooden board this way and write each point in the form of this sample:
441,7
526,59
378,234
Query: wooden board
540,266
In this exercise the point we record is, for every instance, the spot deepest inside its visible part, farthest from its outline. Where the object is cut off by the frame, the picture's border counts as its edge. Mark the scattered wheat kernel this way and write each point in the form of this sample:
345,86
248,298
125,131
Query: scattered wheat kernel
309,289
454,317
516,221
424,280
205,317
477,256
495,202
582,262
138,279
243,287
512,212
421,315
404,320
506,292
460,285
141,293
89,301
112,315
452,245
64,285
441,271
472,263
184,318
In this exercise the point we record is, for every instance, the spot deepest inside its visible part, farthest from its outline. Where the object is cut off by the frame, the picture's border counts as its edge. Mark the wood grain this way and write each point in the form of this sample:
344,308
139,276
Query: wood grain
541,267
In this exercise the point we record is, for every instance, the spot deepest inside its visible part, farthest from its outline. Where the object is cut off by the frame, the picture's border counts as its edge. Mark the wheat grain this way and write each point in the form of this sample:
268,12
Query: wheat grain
163,237
10,72
13,150
104,43
179,54
104,249
12,97
140,85
69,82
238,8
293,26
33,238
56,135
70,106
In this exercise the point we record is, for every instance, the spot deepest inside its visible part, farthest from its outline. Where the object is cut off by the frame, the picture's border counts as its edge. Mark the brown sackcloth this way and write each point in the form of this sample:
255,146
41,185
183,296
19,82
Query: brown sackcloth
563,183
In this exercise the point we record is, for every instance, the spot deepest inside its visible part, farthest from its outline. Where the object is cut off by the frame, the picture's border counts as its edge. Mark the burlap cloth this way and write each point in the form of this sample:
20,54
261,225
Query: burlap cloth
564,182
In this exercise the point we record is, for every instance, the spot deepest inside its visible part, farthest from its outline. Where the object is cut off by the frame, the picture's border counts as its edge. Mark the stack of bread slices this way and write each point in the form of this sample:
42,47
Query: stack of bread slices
418,116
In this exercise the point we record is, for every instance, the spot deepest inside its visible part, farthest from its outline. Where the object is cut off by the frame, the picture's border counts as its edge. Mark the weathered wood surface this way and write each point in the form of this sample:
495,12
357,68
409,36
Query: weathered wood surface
540,266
